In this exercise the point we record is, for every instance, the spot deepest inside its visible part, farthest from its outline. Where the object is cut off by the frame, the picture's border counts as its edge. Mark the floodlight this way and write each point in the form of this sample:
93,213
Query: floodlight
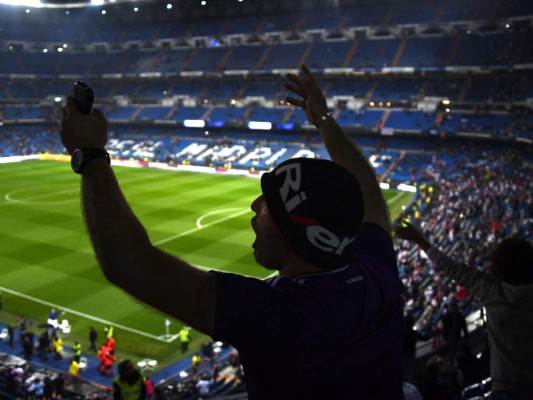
406,188
260,125
193,123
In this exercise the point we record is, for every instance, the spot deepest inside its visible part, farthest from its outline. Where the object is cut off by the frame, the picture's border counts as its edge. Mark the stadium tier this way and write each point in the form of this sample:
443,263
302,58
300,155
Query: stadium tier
439,96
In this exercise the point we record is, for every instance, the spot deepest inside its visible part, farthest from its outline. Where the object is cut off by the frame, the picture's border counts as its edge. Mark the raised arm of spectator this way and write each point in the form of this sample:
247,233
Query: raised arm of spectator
341,148
477,282
123,249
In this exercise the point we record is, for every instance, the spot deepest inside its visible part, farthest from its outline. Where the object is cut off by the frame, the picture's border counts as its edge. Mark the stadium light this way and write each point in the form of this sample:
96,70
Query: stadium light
406,188
259,125
193,123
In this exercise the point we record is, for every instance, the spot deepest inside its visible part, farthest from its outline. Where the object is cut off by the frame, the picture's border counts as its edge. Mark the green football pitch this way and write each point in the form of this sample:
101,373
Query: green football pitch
46,259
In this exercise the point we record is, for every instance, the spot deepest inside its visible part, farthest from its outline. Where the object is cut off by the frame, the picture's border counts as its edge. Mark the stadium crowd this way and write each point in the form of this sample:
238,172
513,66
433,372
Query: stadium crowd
467,202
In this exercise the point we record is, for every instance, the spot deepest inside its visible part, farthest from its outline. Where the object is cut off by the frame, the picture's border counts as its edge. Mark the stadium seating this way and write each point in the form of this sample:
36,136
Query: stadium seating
385,69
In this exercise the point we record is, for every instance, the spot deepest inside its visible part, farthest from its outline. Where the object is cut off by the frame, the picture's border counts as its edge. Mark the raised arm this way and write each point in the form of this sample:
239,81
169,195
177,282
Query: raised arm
341,148
123,249
477,282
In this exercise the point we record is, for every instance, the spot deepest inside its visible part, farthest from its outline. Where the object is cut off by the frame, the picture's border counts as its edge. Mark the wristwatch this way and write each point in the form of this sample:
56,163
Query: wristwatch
323,118
82,157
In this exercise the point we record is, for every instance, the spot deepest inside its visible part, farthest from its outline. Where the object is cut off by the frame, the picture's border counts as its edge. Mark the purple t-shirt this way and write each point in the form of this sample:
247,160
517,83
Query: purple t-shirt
326,336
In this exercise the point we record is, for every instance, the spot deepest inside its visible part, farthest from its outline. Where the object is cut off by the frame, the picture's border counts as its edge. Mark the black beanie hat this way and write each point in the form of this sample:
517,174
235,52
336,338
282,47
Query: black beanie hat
318,207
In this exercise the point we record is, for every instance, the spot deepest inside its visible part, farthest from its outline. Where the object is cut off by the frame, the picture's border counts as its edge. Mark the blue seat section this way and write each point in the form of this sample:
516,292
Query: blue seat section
427,51
172,30
478,49
328,54
245,57
22,112
469,10
285,56
153,113
420,12
247,24
149,89
365,118
207,59
396,89
348,87
445,86
189,87
366,15
10,61
410,121
281,22
226,114
221,89
173,61
121,113
328,18
30,139
269,88
183,113
268,114
375,53
498,125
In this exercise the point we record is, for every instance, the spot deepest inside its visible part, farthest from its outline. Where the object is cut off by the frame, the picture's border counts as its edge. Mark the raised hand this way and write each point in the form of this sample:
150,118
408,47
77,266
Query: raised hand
311,99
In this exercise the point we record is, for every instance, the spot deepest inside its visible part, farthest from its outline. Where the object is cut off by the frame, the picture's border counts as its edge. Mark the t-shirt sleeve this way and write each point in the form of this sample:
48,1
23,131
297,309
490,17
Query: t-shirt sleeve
246,307
374,242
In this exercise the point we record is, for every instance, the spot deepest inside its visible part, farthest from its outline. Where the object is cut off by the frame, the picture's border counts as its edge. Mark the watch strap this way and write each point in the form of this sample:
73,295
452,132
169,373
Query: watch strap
87,155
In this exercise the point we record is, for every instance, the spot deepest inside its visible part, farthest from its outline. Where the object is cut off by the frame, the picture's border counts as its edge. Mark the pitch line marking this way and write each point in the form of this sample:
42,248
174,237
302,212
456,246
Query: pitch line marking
80,314
37,199
199,226
396,197
215,212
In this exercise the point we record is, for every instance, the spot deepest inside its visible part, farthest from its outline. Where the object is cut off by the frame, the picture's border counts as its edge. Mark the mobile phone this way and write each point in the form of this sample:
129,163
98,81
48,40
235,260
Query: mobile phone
83,96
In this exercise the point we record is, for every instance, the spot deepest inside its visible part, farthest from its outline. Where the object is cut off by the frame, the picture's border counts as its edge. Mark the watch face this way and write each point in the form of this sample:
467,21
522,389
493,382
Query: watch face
77,160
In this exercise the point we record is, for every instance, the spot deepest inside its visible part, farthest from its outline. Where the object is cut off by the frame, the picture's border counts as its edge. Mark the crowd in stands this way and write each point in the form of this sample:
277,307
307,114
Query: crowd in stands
467,199
478,201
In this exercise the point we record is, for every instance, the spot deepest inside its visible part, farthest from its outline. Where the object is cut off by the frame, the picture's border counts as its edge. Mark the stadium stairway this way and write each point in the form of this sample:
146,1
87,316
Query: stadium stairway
91,373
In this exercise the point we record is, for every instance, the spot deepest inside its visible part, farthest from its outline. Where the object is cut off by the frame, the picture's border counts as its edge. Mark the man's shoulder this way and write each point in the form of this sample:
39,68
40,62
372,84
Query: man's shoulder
374,246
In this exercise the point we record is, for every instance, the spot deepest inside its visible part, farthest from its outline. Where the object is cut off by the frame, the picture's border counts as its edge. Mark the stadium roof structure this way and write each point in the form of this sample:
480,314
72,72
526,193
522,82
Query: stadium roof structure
188,7
66,3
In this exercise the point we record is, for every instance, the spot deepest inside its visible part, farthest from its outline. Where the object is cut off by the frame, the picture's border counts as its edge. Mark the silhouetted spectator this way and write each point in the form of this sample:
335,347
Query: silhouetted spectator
507,294
453,324
471,367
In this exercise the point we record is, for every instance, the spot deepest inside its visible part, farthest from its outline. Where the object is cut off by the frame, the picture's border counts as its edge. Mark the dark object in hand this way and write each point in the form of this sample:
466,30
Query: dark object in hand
83,96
